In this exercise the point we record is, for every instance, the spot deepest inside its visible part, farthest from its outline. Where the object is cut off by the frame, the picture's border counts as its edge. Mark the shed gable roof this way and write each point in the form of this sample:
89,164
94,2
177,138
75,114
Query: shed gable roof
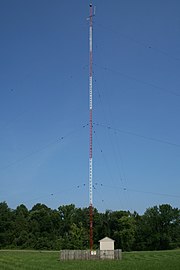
106,239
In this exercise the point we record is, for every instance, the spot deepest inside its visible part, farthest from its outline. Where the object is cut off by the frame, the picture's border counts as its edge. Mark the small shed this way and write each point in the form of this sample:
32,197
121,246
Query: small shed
106,244
106,248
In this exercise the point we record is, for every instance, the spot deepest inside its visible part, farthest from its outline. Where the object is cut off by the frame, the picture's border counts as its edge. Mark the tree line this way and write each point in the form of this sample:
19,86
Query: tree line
68,228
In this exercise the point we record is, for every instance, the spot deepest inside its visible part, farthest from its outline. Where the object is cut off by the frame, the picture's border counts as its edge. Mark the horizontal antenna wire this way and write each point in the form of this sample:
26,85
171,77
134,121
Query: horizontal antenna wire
53,194
138,135
174,93
141,43
57,141
140,191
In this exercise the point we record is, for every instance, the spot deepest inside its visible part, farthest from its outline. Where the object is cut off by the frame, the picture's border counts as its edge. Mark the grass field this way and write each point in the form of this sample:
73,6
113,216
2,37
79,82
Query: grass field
34,260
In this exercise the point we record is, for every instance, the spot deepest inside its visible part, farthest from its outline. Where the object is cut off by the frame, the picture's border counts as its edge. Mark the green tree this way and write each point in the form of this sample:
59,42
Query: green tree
6,225
125,235
41,226
78,237
20,226
158,228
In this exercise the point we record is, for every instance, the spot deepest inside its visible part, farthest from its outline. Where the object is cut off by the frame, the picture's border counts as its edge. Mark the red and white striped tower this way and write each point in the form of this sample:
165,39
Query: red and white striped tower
90,128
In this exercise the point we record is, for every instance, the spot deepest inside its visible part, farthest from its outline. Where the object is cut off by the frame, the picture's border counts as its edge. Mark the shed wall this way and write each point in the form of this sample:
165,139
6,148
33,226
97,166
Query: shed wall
109,245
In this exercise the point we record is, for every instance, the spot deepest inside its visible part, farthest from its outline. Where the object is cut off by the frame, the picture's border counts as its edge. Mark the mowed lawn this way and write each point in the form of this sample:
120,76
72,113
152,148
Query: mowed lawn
36,260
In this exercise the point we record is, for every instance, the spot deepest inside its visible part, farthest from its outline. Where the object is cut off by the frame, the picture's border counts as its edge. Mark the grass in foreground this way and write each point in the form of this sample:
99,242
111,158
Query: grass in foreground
36,260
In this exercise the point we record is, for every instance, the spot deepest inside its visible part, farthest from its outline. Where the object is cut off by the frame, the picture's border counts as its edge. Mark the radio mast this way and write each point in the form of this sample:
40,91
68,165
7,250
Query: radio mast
90,127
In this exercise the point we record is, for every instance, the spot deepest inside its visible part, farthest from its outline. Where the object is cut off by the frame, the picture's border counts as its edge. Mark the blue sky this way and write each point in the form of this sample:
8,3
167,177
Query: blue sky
44,110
